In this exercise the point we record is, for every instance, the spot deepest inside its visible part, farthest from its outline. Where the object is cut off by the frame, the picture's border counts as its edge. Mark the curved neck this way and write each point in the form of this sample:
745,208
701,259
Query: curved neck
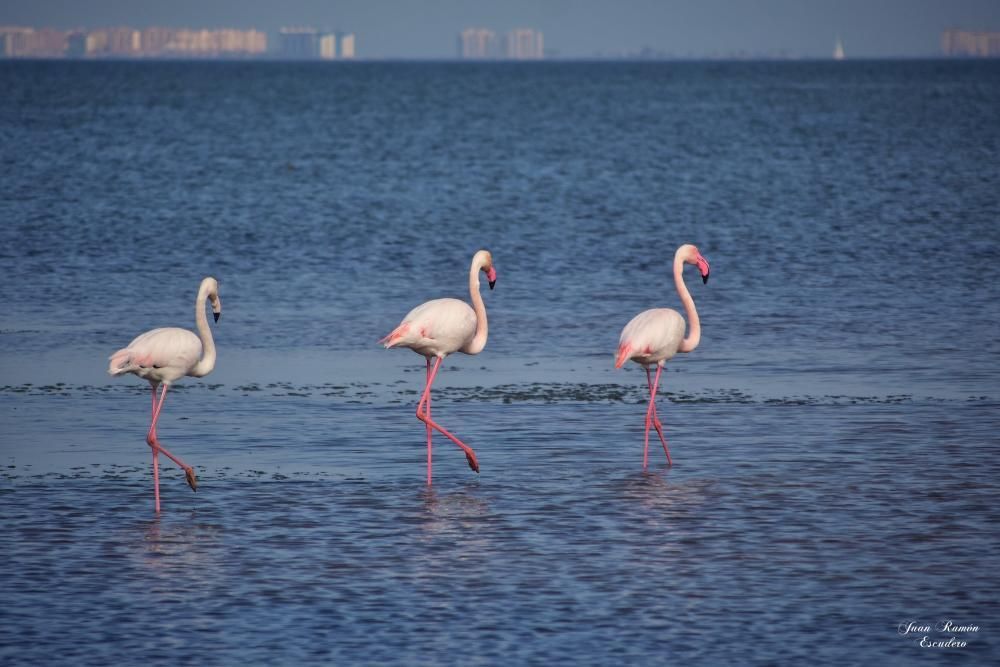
478,341
207,362
694,324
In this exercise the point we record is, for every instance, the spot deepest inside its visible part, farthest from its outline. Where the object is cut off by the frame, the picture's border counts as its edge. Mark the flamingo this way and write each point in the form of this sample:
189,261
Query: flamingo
656,335
439,327
163,356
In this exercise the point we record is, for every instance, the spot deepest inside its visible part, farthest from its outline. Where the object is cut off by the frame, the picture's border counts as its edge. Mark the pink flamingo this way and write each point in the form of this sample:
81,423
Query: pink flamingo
163,356
439,327
656,335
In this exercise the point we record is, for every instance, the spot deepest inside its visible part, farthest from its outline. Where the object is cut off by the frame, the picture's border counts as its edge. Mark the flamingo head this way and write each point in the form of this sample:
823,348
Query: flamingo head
210,288
485,261
690,254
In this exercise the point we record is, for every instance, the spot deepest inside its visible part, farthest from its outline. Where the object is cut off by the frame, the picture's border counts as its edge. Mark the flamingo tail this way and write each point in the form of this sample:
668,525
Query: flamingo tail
624,352
395,336
121,362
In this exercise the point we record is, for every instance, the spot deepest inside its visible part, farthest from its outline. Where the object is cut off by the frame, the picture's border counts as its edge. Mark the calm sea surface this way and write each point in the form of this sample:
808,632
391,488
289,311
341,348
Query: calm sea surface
836,436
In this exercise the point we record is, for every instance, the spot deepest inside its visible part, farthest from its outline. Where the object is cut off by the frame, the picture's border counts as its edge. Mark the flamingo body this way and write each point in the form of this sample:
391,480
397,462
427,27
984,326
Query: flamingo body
159,355
436,328
651,337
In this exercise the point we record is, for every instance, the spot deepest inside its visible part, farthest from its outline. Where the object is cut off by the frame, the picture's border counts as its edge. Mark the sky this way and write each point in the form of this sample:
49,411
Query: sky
572,28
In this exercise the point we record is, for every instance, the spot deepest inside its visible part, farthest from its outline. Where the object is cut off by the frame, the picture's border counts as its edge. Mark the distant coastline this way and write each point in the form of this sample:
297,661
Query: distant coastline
307,43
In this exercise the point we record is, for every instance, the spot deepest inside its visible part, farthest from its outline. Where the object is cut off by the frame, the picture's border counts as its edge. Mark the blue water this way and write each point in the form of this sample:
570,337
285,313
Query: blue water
834,436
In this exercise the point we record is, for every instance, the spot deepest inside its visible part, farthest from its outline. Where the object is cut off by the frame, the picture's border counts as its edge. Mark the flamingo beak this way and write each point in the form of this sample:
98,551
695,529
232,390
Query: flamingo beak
703,268
216,316
491,276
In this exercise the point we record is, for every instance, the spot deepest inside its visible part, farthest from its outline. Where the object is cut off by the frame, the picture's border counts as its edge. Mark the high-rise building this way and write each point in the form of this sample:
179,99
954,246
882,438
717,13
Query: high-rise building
328,46
525,44
76,44
310,43
477,44
298,43
346,45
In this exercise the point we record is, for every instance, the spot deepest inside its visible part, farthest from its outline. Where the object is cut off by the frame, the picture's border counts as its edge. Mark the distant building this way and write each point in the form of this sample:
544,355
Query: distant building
154,41
230,41
12,39
20,42
483,44
118,42
125,42
96,43
298,43
76,44
346,41
224,42
525,44
328,46
312,44
968,43
477,44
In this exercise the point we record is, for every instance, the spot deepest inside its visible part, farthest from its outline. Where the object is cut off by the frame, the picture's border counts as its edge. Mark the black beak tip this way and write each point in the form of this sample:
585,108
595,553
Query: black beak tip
216,316
704,279
492,283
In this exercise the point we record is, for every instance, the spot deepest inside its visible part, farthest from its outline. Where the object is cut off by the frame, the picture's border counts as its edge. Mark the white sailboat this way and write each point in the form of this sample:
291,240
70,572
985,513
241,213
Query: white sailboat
838,50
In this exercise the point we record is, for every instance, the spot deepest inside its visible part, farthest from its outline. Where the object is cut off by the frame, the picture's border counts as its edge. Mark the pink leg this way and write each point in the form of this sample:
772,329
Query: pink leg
156,480
656,420
152,413
156,455
425,416
430,430
154,442
650,411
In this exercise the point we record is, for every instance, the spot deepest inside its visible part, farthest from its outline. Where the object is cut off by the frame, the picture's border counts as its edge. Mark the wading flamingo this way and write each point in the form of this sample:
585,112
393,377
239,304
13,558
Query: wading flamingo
656,335
439,327
163,356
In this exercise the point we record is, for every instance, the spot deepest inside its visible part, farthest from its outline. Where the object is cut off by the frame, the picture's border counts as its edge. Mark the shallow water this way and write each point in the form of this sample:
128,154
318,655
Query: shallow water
834,436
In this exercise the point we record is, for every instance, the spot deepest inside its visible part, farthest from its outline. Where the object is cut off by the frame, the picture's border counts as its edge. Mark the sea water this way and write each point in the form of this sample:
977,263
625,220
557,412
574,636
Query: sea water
835,436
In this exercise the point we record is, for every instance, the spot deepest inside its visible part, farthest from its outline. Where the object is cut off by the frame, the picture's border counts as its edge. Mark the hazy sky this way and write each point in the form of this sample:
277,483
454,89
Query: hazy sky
573,28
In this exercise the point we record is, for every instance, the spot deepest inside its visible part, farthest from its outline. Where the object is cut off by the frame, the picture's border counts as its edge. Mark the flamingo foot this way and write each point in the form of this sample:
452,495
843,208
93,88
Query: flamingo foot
192,480
473,463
